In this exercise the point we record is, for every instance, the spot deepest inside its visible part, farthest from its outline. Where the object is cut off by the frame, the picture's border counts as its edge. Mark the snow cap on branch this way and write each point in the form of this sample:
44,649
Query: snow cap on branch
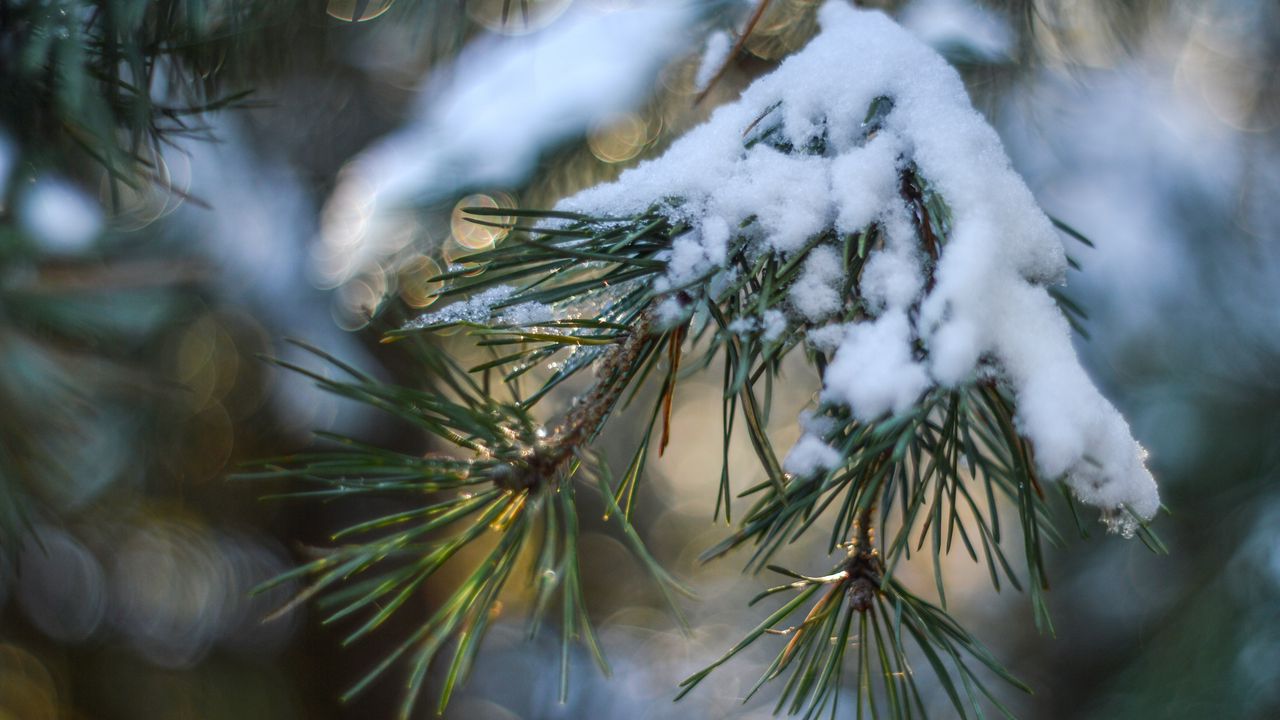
988,310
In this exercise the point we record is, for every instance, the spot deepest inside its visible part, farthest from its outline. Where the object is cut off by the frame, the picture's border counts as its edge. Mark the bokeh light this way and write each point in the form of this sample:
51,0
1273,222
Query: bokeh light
473,235
621,139
357,10
1076,33
252,621
344,230
168,591
417,287
134,205
516,17
208,442
784,28
355,302
178,587
61,585
205,361
27,688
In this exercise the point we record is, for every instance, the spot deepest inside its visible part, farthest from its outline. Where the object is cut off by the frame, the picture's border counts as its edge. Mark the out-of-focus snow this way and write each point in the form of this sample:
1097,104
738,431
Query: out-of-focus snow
714,55
256,235
61,217
1114,154
959,28
484,120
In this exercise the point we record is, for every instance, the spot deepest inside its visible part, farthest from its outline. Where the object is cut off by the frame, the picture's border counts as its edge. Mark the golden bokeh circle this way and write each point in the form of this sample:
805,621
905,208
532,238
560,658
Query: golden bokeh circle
418,288
467,232
621,139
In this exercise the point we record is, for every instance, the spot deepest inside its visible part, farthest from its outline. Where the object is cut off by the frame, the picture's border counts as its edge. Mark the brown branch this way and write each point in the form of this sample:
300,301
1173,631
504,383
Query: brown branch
589,412
581,423
669,390
864,565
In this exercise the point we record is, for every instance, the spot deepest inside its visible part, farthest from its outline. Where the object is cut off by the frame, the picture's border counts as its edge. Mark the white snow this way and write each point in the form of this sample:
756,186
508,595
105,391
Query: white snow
254,232
714,55
476,309
481,308
873,371
827,338
866,180
770,324
527,314
671,312
988,300
810,455
60,216
775,323
816,293
959,26
484,120
893,277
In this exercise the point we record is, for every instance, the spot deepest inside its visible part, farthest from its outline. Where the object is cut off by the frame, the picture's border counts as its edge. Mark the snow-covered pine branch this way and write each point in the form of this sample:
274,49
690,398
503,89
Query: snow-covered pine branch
980,309
853,205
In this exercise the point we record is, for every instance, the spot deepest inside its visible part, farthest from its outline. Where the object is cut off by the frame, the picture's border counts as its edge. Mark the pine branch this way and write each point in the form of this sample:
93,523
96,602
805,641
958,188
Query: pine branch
600,291
934,474
517,483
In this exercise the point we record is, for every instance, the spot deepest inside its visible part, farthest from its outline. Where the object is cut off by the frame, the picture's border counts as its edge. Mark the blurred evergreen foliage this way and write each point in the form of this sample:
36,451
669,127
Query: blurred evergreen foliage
93,92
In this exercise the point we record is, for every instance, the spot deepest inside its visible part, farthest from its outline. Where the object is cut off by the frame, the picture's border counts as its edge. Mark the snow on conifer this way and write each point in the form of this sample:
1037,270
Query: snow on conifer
983,310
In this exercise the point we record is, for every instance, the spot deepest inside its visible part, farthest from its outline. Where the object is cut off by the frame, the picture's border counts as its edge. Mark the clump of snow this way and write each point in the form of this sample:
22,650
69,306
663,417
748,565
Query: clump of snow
816,293
867,180
809,455
476,309
770,324
775,323
894,277
873,371
671,312
526,314
987,309
690,257
826,338
714,55
60,216
482,308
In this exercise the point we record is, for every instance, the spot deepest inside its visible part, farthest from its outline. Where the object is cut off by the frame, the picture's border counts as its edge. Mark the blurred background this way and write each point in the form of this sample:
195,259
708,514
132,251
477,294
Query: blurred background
137,296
